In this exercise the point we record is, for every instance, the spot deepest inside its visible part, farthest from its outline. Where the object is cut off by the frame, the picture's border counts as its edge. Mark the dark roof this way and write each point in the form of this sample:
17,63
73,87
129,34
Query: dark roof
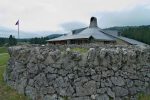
86,33
76,31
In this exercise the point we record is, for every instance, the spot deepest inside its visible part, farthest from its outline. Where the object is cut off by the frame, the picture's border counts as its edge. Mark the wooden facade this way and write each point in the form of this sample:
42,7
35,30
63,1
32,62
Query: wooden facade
82,41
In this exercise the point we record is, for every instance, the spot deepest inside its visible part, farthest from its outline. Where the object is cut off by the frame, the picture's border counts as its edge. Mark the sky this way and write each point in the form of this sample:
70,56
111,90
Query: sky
64,15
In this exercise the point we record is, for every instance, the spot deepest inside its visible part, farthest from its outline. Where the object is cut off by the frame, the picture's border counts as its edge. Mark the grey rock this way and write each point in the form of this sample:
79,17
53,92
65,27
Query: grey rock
118,81
67,91
138,83
88,88
101,90
47,90
76,56
68,50
63,72
91,54
81,98
59,82
93,97
129,83
51,77
40,80
83,62
110,93
49,60
119,91
106,83
107,73
49,69
21,86
80,81
102,97
71,76
32,68
132,90
50,97
96,78
31,92
31,82
19,67
118,98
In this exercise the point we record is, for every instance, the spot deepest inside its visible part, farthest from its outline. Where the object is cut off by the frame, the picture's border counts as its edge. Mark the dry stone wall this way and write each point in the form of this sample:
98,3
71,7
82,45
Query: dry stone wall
101,73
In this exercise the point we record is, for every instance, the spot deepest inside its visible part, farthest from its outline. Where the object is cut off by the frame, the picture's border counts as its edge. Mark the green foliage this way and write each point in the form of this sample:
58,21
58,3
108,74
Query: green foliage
143,96
41,40
12,41
3,41
80,50
141,33
65,98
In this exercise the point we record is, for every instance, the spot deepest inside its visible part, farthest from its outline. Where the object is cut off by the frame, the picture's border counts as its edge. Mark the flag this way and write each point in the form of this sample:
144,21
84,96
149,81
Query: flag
17,23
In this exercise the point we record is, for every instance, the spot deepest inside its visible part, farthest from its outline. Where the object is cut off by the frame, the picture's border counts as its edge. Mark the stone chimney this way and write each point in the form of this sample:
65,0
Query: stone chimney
93,22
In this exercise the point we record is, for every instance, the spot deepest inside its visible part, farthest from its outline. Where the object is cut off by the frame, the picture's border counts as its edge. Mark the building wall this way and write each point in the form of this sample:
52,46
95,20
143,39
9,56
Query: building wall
91,40
121,42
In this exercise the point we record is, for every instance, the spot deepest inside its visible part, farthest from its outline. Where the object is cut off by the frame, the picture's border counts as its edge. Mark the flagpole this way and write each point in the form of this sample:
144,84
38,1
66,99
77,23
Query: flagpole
18,29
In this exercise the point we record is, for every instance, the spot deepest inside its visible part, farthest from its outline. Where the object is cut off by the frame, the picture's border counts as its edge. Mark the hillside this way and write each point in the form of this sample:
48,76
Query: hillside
140,33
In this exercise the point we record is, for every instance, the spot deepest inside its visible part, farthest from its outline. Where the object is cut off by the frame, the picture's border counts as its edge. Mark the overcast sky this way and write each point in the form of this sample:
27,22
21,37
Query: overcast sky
63,15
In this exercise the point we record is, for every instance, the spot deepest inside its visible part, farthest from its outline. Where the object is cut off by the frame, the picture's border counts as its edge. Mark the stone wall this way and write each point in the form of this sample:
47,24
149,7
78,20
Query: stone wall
101,73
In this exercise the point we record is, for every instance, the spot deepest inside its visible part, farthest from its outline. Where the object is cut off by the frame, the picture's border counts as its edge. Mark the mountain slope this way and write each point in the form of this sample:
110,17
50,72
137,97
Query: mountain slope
140,33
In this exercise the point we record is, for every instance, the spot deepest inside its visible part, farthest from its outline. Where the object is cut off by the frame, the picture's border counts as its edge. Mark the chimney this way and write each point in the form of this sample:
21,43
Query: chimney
93,22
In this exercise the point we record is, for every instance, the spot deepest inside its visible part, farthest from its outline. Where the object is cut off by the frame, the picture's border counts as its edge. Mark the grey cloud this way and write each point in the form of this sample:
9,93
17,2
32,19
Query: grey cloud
6,32
72,25
135,17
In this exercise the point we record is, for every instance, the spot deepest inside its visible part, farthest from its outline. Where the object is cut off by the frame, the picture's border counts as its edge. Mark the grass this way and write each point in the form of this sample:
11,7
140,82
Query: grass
4,58
143,96
7,93
80,50
3,49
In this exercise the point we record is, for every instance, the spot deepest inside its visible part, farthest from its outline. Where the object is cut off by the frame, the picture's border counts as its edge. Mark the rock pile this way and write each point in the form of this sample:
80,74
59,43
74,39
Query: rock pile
43,73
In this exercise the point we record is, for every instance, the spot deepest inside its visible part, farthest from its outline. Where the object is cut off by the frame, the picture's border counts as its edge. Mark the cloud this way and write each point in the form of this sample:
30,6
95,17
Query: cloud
6,32
38,15
137,16
72,25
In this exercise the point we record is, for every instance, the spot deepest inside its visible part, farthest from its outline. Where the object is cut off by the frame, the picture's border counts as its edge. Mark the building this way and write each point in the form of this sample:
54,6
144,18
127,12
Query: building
93,34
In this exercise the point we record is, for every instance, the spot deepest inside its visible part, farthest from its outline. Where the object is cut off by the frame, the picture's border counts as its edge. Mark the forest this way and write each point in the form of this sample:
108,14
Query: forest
141,33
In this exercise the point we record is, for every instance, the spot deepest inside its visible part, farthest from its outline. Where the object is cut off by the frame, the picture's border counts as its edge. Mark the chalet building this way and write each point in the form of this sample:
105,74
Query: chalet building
94,34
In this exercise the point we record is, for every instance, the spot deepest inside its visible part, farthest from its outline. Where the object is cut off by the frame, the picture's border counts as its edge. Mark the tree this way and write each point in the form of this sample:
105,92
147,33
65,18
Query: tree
141,33
41,40
12,41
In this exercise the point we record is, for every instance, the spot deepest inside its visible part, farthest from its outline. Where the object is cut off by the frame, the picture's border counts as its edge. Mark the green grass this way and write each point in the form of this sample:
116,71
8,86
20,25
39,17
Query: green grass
7,93
80,50
143,97
3,58
3,49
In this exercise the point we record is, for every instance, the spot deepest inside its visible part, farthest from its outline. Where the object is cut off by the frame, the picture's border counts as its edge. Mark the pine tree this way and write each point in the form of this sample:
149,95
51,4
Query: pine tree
12,41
